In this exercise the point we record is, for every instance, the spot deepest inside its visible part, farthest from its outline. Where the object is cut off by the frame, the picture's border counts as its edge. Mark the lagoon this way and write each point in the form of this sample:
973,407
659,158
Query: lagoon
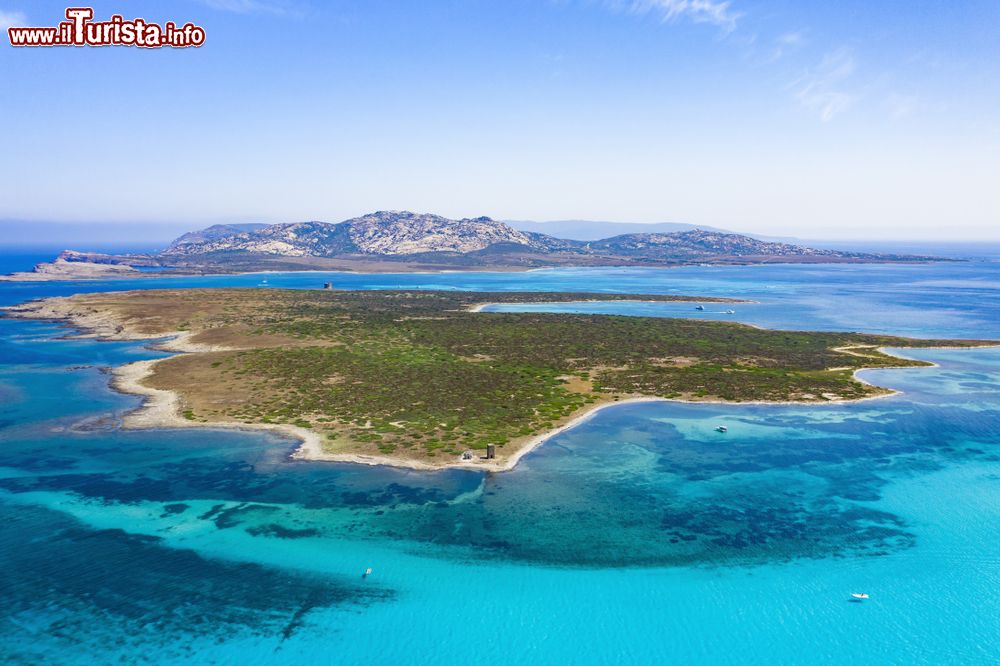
640,536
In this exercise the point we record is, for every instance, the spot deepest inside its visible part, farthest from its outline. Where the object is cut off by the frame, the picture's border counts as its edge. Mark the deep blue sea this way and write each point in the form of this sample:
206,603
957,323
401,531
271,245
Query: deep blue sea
641,536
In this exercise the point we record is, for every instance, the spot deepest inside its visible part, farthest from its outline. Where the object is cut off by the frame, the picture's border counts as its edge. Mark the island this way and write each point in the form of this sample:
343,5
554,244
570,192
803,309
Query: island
425,379
402,241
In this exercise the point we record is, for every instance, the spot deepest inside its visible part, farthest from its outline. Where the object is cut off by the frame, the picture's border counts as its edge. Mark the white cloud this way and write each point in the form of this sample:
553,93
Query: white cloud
8,19
715,12
823,88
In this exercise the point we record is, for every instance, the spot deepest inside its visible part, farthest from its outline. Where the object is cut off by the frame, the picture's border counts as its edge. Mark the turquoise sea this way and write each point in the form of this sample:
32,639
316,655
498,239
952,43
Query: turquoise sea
641,536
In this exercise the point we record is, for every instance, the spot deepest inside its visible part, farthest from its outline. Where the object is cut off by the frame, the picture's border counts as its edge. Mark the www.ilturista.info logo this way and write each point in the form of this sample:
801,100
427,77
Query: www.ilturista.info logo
80,30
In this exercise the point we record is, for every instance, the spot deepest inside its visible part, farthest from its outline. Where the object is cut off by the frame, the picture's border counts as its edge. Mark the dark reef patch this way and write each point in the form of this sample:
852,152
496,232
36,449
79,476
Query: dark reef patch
281,532
235,515
630,489
116,589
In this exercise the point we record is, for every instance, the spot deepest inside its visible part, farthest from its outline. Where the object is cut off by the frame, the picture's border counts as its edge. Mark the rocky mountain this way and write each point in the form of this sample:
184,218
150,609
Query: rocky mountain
424,239
385,233
300,239
701,244
215,232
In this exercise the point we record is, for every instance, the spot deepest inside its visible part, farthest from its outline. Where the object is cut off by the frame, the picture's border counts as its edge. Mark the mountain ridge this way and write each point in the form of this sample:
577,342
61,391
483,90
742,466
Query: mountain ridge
395,235
382,233
591,230
402,241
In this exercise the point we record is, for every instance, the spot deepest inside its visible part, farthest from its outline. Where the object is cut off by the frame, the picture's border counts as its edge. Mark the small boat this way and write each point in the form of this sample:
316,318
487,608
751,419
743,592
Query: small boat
700,307
722,429
368,572
729,312
859,595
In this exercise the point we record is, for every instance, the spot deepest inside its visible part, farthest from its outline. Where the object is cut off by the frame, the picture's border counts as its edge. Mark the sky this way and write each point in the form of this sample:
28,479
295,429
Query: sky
853,119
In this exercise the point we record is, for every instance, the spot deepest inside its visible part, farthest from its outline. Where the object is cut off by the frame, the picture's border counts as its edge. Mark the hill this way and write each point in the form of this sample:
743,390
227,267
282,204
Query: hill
591,230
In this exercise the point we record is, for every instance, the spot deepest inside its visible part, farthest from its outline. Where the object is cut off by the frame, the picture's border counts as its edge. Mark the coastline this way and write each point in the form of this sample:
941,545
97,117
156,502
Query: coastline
387,268
30,276
479,307
161,408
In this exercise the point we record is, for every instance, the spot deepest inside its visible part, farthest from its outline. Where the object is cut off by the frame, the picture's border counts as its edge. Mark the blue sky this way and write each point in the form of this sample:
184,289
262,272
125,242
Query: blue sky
849,119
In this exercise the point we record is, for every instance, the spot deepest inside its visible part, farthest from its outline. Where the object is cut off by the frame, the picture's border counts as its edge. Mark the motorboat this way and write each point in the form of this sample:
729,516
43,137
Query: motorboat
722,429
859,595
700,307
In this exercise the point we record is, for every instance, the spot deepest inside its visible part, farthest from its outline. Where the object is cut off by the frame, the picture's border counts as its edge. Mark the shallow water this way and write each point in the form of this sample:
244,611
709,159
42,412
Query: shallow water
641,536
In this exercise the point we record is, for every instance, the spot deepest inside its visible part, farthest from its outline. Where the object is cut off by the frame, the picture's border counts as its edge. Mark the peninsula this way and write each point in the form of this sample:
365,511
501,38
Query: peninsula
423,379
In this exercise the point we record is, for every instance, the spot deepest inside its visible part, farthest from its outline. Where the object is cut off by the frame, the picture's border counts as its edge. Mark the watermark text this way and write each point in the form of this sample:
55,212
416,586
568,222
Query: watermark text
79,29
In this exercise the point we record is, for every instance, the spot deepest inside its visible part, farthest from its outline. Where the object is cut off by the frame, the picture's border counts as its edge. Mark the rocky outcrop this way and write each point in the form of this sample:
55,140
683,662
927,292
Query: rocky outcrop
698,243
300,239
393,233
385,233
63,269
214,232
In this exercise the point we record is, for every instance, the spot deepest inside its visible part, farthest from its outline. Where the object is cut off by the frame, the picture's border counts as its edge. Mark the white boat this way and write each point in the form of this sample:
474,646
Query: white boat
722,429
368,572
859,595
730,312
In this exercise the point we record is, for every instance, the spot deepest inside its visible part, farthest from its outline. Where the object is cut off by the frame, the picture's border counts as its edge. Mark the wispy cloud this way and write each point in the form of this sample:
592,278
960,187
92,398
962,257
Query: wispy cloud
824,88
10,18
715,12
791,38
786,43
900,106
277,7
554,61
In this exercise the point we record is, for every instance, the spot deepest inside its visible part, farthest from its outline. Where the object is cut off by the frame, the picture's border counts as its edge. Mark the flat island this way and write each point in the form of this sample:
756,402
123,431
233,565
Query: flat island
421,379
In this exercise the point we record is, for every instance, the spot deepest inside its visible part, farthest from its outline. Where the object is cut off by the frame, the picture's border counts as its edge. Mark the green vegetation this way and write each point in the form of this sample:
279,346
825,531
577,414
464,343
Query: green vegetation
415,373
